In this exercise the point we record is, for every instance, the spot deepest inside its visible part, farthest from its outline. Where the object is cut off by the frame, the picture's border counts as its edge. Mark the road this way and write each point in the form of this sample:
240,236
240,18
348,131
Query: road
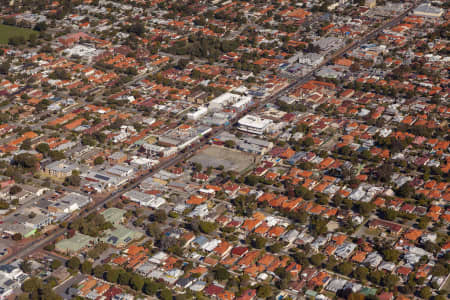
64,286
39,243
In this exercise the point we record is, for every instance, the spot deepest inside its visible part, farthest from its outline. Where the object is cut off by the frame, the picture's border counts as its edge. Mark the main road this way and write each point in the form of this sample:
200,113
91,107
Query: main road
53,236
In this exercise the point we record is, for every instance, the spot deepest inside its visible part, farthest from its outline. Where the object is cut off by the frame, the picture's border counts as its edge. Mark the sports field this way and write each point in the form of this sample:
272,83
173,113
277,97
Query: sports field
7,31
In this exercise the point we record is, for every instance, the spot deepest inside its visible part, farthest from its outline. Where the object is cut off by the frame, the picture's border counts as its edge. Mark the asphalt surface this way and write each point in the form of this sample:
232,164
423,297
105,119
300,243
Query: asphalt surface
52,237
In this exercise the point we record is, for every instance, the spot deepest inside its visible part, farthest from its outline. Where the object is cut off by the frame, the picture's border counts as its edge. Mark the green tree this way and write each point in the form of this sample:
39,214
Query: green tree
25,266
17,237
345,268
150,287
165,294
124,278
317,259
361,273
207,227
99,272
229,144
319,225
86,267
331,263
276,247
405,191
390,281
26,145
61,74
159,216
423,222
264,291
4,204
56,155
25,160
55,264
41,26
137,28
365,155
282,273
388,214
258,242
73,263
32,284
365,208
322,199
376,276
252,180
43,148
99,160
4,68
15,189
136,282
391,255
198,167
88,140
113,275
440,270
220,273
153,230
425,292
73,180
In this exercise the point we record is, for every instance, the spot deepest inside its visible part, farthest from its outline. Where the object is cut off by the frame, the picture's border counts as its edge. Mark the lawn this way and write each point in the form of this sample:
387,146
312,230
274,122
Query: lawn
7,31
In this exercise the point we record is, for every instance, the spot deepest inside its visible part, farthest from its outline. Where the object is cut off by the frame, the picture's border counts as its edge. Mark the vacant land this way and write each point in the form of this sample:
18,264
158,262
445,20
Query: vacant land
231,160
7,32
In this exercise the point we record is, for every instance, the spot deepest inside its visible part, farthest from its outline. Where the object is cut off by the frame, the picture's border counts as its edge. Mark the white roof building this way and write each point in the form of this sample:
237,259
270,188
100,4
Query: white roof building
373,259
254,124
345,250
200,211
197,113
427,10
336,285
120,170
223,100
71,202
144,199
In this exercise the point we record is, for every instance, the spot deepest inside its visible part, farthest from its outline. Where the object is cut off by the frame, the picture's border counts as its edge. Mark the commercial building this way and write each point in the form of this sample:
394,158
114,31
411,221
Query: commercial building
311,59
183,136
117,158
428,10
11,278
121,170
222,101
102,181
254,124
69,203
236,101
60,169
197,113
155,150
144,199
253,145
23,229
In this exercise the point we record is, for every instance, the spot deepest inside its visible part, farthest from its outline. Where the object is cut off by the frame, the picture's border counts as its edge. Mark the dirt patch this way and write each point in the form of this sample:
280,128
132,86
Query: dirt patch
231,159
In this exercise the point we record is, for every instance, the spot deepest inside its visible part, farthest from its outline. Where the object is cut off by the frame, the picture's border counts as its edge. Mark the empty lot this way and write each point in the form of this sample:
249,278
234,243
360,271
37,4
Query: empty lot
230,159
